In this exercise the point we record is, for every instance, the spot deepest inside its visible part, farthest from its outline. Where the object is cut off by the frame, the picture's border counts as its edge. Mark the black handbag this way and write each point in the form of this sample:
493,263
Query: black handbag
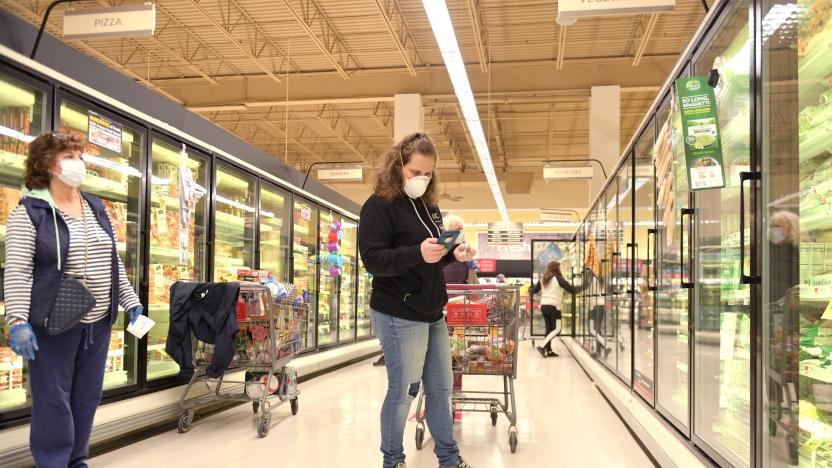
74,299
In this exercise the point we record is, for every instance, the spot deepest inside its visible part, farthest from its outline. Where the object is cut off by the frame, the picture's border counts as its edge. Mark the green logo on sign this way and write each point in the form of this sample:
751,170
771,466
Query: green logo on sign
693,85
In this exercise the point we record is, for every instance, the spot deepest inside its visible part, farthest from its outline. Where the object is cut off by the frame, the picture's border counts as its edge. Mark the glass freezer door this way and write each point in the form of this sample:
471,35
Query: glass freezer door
349,277
672,262
328,294
275,230
722,327
624,271
178,220
644,267
234,214
305,265
611,266
114,158
23,116
365,288
797,234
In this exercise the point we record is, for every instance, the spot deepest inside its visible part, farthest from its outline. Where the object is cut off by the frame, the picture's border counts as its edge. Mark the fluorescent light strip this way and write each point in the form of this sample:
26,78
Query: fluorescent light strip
15,134
98,161
443,31
229,202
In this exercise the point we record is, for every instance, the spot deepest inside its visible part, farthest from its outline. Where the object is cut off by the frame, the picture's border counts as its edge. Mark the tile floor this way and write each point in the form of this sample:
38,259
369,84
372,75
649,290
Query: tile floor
563,421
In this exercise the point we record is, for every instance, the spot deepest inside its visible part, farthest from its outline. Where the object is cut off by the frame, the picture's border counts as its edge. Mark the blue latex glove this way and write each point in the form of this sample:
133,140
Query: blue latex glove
23,341
134,313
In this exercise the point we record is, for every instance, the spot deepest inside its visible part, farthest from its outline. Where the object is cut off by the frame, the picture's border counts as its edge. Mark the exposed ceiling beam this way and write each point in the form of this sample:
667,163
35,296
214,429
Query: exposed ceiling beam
383,114
498,136
648,31
346,133
311,15
233,15
478,25
396,23
451,140
561,47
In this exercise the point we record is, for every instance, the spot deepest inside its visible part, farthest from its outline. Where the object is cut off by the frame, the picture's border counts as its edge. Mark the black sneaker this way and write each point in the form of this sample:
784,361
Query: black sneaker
460,464
380,362
541,351
552,354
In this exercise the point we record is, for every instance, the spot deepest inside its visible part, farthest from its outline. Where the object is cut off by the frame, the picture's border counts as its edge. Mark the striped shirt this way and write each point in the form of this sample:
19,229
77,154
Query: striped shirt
20,253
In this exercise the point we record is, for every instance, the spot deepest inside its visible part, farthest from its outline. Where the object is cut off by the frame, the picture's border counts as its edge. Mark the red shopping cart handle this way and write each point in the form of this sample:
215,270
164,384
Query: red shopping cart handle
478,287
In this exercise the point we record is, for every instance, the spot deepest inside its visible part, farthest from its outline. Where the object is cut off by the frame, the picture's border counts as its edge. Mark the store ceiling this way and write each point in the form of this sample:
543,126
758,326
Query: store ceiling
313,80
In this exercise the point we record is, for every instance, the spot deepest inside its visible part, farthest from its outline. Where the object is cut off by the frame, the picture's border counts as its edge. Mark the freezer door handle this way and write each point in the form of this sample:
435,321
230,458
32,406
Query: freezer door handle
651,287
689,213
630,263
745,279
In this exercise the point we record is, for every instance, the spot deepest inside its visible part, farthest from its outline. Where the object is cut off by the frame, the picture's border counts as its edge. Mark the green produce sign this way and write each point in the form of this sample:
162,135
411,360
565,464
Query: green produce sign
700,125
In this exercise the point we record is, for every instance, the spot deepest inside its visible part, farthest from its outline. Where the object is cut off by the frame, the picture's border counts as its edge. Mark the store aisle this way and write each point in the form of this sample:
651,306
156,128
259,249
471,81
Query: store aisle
563,421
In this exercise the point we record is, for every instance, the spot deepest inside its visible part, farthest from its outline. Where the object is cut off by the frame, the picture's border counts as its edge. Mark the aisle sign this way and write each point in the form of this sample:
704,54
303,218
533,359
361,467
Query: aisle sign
561,173
342,174
126,21
700,127
103,132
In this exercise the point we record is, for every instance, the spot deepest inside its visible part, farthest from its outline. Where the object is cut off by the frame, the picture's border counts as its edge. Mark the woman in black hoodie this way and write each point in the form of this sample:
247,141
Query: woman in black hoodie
397,236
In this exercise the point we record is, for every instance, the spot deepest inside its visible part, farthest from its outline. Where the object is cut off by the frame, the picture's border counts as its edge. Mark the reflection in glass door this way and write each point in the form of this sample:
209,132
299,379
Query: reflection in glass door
328,295
722,364
797,234
114,174
672,259
365,288
305,265
348,279
177,239
643,266
543,252
22,117
234,223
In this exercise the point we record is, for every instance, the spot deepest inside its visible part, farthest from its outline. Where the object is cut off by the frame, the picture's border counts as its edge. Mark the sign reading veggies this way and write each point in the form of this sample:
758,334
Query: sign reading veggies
700,125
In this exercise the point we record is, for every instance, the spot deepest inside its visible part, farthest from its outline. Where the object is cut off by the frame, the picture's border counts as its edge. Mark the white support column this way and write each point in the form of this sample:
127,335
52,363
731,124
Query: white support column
409,115
604,132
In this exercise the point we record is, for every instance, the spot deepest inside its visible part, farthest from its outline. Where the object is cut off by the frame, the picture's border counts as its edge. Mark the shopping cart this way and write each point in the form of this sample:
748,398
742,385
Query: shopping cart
268,339
483,322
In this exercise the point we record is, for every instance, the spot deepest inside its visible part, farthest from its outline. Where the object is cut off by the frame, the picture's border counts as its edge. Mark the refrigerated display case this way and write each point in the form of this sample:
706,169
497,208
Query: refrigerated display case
114,156
24,113
234,222
275,230
611,264
364,322
627,252
644,268
348,282
178,220
305,265
722,323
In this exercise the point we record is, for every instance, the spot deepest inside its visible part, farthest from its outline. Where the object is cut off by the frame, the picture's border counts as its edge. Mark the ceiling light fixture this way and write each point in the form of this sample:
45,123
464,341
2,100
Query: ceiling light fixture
443,31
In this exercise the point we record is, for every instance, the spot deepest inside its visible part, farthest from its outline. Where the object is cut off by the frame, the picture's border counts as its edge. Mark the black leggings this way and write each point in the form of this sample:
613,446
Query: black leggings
551,315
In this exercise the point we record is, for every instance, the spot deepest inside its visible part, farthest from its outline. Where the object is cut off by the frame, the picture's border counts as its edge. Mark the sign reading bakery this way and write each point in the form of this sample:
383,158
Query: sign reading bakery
576,8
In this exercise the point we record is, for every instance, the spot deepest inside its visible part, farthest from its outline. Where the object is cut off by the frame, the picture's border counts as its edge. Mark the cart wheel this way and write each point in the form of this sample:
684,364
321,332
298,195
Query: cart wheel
420,436
294,404
255,405
493,415
263,427
184,423
512,441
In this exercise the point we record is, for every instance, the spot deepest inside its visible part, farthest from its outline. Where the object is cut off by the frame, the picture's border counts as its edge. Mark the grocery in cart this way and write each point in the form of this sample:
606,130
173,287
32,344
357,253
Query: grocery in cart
268,335
483,322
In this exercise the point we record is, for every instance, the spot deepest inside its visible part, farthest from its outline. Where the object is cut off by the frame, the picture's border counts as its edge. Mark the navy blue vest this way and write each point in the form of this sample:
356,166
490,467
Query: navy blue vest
46,276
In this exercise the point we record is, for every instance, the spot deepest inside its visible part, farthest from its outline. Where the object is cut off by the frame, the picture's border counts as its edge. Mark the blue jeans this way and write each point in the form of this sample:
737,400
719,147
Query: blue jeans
416,352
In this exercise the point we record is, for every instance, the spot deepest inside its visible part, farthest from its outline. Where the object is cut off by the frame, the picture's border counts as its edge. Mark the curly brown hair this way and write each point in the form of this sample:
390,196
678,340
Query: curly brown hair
41,157
390,179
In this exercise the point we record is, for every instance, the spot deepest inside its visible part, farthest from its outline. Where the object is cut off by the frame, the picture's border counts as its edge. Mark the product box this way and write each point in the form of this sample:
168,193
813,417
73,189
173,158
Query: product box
253,276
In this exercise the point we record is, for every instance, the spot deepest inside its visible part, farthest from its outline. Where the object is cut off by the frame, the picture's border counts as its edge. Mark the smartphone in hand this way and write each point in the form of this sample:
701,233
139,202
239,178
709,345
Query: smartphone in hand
448,238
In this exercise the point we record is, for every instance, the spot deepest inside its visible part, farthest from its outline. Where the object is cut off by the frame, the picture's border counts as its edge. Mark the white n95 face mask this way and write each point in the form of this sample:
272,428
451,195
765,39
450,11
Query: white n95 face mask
415,187
73,172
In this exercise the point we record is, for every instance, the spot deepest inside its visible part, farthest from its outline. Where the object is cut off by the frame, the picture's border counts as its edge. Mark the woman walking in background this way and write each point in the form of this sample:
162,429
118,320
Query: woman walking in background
551,288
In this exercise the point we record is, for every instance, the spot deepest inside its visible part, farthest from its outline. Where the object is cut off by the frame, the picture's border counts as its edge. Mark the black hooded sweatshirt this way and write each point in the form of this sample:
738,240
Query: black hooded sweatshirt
389,239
